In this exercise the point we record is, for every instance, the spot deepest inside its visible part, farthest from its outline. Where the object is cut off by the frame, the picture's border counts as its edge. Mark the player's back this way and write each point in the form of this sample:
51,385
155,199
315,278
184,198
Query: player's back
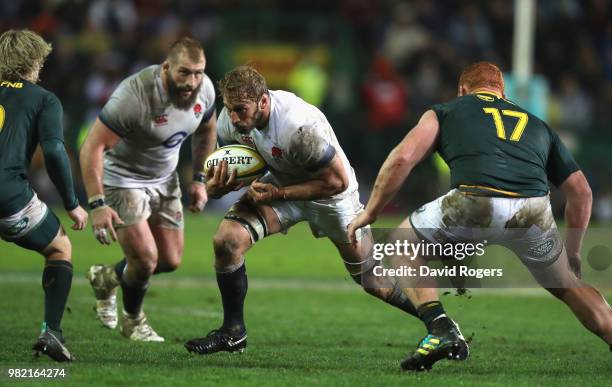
22,109
495,147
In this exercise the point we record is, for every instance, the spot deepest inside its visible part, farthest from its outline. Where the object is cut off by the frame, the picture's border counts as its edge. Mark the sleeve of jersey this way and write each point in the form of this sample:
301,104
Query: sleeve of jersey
560,162
224,129
440,110
121,111
310,149
209,91
50,130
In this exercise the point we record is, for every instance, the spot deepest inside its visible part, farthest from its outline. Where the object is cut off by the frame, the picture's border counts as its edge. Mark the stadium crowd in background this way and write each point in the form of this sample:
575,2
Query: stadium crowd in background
406,55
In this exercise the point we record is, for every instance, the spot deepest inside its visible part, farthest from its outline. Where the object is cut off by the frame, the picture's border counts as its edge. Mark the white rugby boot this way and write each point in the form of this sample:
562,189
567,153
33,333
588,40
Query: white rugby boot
138,328
104,283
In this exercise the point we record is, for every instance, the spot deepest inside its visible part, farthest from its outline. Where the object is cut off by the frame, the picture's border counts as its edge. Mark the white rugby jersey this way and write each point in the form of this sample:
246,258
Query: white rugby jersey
151,129
296,144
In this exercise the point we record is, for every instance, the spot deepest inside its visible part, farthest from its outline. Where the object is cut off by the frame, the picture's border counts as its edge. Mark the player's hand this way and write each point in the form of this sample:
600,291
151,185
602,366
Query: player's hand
264,193
79,217
575,263
219,182
102,221
363,219
197,197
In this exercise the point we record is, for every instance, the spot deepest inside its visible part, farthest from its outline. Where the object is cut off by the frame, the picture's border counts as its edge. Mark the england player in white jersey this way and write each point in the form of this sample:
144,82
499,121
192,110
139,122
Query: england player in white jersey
310,179
129,164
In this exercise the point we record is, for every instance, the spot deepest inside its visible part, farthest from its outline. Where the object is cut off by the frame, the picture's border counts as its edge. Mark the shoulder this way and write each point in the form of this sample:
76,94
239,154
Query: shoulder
224,124
207,91
135,89
223,118
138,84
449,106
144,77
293,114
49,99
35,92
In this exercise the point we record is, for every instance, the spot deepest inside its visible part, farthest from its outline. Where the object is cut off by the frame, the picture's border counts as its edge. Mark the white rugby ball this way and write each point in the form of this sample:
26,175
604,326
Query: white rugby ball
249,164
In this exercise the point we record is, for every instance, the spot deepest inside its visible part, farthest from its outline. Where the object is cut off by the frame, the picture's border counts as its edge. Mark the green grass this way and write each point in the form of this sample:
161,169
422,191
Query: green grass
308,325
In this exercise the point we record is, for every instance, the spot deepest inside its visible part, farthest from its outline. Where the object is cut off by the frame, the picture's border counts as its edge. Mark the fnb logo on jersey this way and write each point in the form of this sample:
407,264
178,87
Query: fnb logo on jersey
162,119
15,85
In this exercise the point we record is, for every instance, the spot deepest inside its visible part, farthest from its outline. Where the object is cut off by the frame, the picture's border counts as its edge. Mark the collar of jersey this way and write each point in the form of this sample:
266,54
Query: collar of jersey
163,95
490,93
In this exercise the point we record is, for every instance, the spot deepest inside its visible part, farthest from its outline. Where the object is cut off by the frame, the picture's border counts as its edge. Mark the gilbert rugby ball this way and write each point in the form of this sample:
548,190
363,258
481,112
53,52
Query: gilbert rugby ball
248,163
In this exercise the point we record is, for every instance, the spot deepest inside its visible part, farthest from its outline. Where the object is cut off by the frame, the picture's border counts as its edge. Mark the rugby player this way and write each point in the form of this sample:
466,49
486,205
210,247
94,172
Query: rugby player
501,158
32,116
129,164
310,179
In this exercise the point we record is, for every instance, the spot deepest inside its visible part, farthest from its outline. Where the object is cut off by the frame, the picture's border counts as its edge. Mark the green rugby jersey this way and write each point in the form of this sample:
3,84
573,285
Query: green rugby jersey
495,148
30,115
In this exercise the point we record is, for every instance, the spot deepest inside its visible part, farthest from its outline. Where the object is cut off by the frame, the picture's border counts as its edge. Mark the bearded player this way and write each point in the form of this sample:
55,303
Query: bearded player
129,164
310,180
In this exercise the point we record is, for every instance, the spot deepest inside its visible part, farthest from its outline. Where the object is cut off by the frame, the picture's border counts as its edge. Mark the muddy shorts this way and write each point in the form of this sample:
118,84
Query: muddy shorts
159,204
524,225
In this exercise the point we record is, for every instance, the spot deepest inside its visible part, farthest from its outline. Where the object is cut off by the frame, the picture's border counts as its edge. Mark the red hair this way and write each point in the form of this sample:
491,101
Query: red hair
482,74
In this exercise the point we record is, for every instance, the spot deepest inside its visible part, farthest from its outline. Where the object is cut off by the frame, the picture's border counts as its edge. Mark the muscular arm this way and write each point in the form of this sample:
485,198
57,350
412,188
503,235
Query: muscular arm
332,180
203,142
99,139
417,144
579,200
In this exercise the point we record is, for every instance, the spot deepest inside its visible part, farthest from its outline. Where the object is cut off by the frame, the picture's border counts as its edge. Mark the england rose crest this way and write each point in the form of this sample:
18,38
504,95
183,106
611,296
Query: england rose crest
197,110
277,153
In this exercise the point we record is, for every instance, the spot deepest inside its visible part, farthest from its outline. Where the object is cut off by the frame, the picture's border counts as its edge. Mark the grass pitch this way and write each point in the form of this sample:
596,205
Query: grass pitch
308,323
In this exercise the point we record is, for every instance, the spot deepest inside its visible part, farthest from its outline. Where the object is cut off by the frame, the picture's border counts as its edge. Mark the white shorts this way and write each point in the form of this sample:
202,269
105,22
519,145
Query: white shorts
160,204
524,225
18,225
326,218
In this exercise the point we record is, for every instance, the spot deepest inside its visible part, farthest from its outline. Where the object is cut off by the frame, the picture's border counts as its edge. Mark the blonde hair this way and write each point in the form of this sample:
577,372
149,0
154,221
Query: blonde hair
243,83
22,52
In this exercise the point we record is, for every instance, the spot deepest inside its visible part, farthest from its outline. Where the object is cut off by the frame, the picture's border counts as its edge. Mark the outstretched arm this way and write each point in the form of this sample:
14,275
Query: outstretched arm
417,144
99,139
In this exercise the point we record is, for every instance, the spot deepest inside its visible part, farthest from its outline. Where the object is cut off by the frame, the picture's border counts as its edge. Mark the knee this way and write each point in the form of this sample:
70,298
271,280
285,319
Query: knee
140,268
371,286
229,249
59,249
168,263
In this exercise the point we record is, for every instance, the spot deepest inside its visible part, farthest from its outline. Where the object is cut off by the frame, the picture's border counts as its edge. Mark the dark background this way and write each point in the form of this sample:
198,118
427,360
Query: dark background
373,67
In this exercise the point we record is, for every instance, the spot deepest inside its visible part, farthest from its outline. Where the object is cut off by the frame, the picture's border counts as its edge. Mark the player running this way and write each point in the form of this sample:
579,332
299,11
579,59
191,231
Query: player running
129,164
501,158
32,116
310,180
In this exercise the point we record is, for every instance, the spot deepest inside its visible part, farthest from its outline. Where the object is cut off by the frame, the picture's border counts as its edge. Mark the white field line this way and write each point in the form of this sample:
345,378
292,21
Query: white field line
167,281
